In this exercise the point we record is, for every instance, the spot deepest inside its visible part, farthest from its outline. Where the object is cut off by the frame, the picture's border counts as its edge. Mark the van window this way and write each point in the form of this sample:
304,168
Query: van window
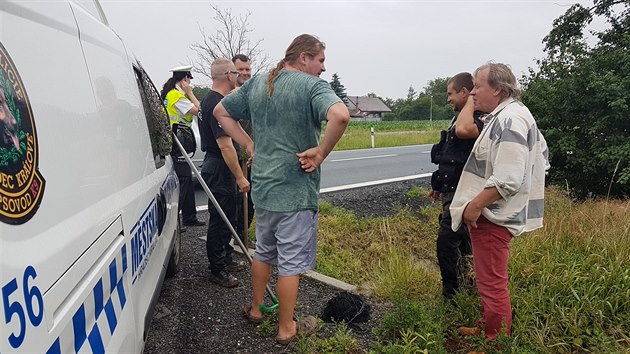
92,8
155,113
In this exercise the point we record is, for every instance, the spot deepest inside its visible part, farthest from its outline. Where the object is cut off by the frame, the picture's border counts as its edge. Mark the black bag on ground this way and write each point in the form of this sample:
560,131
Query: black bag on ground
346,307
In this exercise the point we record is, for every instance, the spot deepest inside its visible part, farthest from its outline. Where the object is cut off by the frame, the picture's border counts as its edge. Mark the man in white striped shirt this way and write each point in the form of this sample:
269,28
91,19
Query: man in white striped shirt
501,190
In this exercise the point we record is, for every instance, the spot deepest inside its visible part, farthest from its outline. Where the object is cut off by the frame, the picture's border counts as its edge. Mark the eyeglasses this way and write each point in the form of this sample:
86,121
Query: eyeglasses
233,72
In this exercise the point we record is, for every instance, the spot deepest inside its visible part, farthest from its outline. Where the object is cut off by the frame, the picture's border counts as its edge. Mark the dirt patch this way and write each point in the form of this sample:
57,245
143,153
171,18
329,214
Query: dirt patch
195,315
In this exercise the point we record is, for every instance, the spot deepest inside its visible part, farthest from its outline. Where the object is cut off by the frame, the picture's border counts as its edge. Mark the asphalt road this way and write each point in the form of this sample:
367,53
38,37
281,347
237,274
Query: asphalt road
359,167
366,165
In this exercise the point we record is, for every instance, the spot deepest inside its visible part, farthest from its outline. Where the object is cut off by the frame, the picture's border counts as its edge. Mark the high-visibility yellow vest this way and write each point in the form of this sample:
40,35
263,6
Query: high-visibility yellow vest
172,97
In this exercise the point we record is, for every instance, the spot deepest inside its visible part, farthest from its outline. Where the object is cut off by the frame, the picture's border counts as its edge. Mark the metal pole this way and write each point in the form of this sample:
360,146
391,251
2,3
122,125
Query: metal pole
218,208
372,133
245,210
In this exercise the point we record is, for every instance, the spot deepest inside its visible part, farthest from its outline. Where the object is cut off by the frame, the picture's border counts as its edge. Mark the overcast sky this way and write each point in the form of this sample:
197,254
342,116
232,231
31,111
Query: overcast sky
374,46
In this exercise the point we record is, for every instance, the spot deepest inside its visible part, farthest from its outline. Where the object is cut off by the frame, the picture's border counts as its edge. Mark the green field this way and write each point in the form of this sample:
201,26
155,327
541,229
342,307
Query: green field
388,134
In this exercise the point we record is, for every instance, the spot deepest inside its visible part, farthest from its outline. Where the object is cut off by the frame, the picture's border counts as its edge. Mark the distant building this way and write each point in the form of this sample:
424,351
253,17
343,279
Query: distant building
366,108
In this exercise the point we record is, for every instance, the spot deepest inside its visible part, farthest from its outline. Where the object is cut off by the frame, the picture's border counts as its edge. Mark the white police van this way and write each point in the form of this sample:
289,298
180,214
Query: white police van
88,195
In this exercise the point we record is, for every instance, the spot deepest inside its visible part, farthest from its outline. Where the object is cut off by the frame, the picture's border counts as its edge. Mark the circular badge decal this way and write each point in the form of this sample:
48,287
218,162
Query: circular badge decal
21,183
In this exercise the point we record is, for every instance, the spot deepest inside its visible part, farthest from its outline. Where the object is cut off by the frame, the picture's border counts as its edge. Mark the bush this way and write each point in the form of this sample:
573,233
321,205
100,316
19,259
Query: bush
581,100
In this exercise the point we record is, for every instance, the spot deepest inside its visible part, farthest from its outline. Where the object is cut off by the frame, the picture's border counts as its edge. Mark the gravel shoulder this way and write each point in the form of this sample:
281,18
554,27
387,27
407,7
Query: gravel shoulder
195,315
379,200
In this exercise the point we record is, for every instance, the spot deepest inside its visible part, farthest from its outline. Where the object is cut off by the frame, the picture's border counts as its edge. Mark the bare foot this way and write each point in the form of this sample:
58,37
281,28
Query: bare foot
286,335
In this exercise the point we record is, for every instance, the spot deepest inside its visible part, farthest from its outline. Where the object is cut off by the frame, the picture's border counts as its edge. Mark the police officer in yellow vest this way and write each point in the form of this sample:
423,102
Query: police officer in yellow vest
181,105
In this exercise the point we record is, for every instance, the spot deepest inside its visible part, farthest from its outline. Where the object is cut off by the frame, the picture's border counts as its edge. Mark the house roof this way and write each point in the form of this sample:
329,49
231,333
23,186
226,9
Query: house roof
367,104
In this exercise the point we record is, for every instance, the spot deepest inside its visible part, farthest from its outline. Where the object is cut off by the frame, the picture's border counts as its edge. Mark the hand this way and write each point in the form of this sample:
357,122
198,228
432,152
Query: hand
310,159
250,152
471,215
243,185
186,87
434,195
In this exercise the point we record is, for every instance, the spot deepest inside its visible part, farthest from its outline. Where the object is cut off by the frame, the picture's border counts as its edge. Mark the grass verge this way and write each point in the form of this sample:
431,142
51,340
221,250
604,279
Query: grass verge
569,281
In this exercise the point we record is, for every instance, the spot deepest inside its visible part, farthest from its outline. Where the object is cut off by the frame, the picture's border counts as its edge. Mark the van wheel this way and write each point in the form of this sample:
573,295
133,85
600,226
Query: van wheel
173,262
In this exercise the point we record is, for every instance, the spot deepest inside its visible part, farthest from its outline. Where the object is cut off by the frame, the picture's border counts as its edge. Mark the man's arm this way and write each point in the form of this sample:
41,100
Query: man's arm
233,129
474,207
465,127
231,160
338,118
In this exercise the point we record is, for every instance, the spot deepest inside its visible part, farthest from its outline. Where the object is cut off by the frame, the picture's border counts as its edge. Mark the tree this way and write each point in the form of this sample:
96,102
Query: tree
395,106
231,38
338,87
437,89
411,93
581,99
417,106
200,91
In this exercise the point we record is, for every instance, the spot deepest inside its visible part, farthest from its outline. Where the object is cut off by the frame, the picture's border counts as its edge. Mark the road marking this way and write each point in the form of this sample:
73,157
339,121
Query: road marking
373,183
363,158
385,148
356,185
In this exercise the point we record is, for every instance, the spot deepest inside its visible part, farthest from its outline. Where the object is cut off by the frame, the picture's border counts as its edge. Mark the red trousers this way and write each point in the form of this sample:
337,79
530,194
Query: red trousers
491,250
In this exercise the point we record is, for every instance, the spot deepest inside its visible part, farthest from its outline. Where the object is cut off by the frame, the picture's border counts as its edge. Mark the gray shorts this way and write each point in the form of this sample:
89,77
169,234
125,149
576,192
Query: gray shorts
288,240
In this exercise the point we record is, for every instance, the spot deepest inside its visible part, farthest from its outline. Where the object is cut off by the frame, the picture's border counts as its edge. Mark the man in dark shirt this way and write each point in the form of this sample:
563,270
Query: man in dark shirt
222,174
244,68
451,154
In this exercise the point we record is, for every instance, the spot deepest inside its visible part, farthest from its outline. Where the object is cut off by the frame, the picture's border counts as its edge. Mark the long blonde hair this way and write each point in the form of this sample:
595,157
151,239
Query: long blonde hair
304,43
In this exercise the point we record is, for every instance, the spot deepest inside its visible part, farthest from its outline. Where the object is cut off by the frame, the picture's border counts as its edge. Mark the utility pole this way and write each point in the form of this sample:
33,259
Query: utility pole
431,111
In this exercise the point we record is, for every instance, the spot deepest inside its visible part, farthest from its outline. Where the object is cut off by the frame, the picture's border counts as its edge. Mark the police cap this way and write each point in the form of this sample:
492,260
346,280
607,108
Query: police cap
183,69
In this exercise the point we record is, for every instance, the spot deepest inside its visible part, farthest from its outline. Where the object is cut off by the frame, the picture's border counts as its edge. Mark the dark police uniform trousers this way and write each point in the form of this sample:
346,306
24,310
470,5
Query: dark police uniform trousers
219,179
452,247
186,191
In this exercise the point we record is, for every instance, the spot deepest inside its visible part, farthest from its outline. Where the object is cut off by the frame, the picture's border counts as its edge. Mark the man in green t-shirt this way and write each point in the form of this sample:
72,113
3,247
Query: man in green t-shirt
286,108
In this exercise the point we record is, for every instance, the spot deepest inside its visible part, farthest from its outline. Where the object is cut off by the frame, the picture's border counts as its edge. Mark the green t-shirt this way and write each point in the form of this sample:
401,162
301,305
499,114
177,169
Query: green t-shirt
283,125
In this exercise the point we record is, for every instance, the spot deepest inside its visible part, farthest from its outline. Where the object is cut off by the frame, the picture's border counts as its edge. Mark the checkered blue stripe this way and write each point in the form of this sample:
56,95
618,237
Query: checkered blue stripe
94,322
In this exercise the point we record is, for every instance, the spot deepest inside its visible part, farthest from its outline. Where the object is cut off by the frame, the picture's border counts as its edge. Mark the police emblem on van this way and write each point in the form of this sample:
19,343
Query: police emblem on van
21,183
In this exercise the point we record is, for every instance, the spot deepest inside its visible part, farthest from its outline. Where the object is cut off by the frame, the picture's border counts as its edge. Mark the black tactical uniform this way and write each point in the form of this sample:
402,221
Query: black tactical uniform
450,154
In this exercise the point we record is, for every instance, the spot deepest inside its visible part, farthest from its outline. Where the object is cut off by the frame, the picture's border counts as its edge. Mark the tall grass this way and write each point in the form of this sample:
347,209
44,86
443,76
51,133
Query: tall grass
569,282
388,134
358,250
572,279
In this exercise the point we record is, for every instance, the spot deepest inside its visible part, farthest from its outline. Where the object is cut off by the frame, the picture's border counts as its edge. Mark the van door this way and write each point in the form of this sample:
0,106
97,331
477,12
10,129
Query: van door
45,78
130,167
83,248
